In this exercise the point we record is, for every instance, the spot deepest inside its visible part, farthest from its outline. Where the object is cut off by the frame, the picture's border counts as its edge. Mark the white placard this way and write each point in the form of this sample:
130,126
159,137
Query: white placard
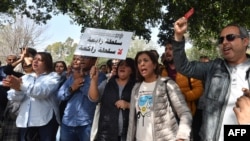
104,43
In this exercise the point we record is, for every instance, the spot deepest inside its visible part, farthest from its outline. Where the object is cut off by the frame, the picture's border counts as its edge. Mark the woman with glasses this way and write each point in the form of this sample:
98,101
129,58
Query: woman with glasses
115,97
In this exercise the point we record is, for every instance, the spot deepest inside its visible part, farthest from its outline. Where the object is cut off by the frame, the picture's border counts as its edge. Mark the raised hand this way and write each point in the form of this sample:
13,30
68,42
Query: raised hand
94,73
93,88
78,80
180,28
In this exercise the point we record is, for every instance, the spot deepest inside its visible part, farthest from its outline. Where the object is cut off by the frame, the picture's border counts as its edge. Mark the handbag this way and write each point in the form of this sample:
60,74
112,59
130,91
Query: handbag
94,129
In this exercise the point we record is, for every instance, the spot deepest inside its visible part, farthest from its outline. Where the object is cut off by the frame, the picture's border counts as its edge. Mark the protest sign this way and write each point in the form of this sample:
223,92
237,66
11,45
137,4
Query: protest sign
104,43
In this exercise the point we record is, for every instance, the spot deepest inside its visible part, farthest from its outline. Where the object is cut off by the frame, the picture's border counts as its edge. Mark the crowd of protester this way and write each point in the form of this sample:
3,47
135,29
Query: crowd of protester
141,98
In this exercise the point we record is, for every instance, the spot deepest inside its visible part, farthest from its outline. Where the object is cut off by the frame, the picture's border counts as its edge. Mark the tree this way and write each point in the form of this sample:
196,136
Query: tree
140,15
21,33
208,19
138,45
39,10
62,51
128,15
194,53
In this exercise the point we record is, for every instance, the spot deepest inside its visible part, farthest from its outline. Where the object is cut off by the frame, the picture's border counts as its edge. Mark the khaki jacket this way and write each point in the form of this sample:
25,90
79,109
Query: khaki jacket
191,94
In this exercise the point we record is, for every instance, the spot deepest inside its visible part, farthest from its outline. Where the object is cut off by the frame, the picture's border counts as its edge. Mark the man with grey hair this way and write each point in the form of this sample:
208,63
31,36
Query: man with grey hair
3,90
224,78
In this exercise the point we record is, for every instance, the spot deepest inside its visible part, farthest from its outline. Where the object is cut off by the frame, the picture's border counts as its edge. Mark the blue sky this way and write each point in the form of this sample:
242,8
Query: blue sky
59,29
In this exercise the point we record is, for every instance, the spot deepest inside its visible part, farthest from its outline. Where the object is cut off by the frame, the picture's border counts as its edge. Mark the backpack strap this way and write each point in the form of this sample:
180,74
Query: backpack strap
170,102
166,85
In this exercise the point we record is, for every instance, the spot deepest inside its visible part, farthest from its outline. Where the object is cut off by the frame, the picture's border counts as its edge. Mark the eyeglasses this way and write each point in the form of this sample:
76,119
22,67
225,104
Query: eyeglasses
229,37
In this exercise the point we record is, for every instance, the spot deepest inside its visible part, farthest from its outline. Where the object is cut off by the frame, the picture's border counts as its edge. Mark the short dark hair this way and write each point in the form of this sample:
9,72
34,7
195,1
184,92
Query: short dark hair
32,51
153,59
109,64
63,63
155,53
129,62
243,31
168,41
47,59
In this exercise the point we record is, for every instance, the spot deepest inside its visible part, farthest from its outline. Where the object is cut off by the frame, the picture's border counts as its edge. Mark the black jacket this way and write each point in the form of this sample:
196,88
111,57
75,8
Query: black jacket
109,115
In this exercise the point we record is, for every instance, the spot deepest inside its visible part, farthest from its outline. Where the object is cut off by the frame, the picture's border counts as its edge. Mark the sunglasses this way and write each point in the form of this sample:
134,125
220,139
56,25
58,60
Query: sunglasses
229,37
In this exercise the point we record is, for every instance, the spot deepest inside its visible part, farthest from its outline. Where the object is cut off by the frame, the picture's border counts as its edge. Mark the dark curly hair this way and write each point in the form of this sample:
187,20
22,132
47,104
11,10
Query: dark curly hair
153,59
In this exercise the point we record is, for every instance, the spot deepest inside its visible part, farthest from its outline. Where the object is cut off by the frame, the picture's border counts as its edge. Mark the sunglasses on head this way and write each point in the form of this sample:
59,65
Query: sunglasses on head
229,37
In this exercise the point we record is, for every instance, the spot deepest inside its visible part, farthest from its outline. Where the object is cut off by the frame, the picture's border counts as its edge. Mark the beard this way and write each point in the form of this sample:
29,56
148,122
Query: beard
169,61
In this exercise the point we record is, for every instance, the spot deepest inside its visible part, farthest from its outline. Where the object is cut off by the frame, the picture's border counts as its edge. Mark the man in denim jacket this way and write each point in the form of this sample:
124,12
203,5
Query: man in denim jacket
224,77
79,111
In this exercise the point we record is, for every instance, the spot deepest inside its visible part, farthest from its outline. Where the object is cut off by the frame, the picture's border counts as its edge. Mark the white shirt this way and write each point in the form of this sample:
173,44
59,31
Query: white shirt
238,81
38,99
144,106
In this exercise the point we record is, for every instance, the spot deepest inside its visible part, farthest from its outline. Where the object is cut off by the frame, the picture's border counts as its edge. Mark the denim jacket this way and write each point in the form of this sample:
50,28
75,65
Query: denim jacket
79,110
216,75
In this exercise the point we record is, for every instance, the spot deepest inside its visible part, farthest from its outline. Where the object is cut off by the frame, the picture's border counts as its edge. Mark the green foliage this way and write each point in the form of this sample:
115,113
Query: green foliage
208,19
38,10
7,6
140,16
139,45
62,51
194,53
129,15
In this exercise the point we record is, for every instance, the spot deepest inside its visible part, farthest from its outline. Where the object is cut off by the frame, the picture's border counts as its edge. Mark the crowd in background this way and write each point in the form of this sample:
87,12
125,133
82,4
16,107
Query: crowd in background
146,98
